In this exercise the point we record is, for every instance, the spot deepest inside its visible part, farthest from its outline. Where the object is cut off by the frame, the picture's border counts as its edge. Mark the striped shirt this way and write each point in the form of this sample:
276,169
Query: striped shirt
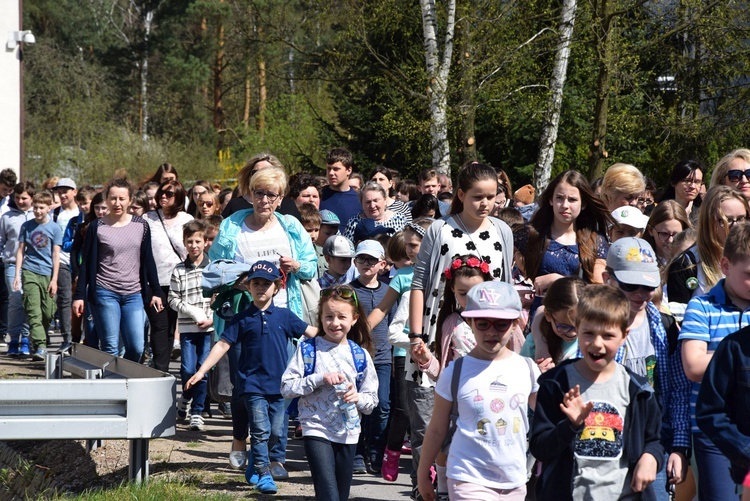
710,318
186,296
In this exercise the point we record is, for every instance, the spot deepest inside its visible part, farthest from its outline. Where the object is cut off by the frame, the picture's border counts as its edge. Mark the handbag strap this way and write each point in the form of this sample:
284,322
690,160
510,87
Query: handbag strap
168,237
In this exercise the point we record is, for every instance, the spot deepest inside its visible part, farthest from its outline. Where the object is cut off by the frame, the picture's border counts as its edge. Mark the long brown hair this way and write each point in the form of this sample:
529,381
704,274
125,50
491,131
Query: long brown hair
562,296
360,331
590,224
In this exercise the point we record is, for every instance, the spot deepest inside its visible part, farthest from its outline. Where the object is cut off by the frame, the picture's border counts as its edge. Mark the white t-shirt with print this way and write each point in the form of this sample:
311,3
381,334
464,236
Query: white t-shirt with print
489,445
267,245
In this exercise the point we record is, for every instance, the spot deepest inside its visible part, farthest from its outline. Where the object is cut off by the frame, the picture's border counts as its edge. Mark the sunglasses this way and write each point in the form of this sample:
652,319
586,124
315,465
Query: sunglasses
260,194
500,325
168,194
371,261
632,287
565,328
735,175
207,203
346,293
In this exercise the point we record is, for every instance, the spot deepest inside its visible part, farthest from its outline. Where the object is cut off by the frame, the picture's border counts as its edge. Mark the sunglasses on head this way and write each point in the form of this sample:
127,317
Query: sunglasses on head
500,325
633,287
735,175
346,293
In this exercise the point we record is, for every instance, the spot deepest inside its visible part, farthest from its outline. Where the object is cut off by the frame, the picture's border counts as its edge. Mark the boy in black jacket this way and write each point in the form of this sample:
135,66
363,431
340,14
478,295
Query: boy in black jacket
597,425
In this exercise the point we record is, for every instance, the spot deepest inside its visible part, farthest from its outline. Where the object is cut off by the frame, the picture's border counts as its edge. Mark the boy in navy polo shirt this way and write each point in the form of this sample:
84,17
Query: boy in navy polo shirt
263,330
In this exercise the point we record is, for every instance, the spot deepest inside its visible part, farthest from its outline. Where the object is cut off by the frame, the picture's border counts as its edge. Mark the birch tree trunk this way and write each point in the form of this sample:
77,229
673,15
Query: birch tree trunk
148,18
438,69
543,168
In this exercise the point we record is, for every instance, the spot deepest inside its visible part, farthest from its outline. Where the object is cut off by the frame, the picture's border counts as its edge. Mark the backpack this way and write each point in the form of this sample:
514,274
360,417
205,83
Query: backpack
309,355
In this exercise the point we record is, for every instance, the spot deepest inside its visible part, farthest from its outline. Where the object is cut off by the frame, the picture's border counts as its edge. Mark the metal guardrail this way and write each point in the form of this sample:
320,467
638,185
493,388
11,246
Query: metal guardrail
107,398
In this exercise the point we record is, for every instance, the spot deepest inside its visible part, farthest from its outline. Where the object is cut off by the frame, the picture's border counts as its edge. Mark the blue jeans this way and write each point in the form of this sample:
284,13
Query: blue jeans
372,439
267,417
714,481
117,315
331,467
17,324
195,347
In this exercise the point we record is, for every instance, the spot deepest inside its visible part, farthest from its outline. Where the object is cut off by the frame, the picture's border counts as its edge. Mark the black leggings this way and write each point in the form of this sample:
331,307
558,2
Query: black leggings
331,484
399,415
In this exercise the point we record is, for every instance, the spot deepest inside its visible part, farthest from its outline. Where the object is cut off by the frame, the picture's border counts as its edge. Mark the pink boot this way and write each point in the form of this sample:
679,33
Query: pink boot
389,470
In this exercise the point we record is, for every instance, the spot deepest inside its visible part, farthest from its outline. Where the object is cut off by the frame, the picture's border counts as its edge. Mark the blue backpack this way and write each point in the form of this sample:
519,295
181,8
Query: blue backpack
309,354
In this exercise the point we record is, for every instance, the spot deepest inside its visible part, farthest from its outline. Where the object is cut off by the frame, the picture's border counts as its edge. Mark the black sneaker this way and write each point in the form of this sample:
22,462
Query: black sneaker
359,465
225,409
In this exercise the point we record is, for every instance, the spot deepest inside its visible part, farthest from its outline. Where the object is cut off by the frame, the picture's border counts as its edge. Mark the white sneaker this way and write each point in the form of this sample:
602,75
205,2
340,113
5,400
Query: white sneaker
237,459
196,423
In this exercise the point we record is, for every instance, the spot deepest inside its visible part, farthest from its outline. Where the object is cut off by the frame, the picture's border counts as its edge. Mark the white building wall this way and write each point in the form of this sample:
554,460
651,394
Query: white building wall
10,90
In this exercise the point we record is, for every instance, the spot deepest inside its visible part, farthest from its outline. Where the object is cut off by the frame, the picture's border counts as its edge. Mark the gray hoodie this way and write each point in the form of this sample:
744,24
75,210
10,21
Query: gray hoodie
10,227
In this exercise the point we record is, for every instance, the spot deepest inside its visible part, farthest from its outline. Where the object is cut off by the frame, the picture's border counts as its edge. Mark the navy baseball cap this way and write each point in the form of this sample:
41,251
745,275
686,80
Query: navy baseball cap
264,269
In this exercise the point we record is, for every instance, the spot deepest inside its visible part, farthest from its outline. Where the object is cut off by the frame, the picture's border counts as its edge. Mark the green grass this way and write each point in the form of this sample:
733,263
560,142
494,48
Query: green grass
155,490
193,444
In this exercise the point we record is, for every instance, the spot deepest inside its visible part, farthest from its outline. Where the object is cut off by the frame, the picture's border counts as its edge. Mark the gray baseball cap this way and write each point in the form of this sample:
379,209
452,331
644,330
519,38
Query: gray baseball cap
494,299
633,261
338,246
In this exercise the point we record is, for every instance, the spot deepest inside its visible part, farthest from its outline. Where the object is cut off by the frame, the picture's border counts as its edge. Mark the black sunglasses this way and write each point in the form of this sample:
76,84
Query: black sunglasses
500,325
735,175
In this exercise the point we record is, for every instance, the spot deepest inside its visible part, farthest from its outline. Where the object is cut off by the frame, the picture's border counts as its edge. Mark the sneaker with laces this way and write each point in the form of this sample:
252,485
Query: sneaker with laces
196,423
237,459
13,349
65,347
359,465
266,484
183,406
40,354
389,470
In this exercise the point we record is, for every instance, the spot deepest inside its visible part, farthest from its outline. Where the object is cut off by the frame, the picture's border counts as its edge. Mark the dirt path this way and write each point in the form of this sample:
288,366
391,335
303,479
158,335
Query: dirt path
199,457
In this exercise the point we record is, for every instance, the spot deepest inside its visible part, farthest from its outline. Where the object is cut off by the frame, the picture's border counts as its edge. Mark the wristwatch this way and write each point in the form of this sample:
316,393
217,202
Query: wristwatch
418,335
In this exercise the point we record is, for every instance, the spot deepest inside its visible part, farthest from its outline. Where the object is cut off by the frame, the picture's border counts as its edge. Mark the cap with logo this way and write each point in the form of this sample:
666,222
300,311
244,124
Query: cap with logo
328,217
493,299
264,269
632,216
338,246
633,261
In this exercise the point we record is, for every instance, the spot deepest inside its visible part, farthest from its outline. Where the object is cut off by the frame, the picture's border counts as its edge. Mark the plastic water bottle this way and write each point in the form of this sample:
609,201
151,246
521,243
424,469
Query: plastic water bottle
348,410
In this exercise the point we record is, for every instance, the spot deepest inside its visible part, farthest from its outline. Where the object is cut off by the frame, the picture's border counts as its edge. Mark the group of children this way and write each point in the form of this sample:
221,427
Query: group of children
606,394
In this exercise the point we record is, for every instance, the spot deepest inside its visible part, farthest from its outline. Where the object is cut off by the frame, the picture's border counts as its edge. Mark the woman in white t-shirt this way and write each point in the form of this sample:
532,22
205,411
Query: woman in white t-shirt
166,224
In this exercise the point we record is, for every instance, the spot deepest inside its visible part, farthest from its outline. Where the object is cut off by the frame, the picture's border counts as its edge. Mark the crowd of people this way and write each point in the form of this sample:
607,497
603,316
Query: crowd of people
590,342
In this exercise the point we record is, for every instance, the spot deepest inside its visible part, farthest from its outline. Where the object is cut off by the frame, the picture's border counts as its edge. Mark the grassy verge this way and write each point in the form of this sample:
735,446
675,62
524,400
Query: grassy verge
155,490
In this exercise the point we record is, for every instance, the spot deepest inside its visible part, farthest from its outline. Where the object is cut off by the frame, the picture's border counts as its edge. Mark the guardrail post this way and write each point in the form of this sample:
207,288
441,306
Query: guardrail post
138,470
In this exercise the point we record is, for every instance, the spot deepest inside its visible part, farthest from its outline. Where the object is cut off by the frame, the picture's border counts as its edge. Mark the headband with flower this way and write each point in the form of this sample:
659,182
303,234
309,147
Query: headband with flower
471,262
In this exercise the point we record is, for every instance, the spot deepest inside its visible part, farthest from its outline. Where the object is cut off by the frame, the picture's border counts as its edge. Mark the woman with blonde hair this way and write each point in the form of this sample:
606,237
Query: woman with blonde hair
698,269
621,185
734,170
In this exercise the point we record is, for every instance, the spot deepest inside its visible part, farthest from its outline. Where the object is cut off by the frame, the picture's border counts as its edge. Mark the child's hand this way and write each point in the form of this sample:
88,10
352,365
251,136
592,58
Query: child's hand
17,284
205,324
195,379
351,395
545,364
573,406
426,489
333,378
644,473
419,352
52,288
